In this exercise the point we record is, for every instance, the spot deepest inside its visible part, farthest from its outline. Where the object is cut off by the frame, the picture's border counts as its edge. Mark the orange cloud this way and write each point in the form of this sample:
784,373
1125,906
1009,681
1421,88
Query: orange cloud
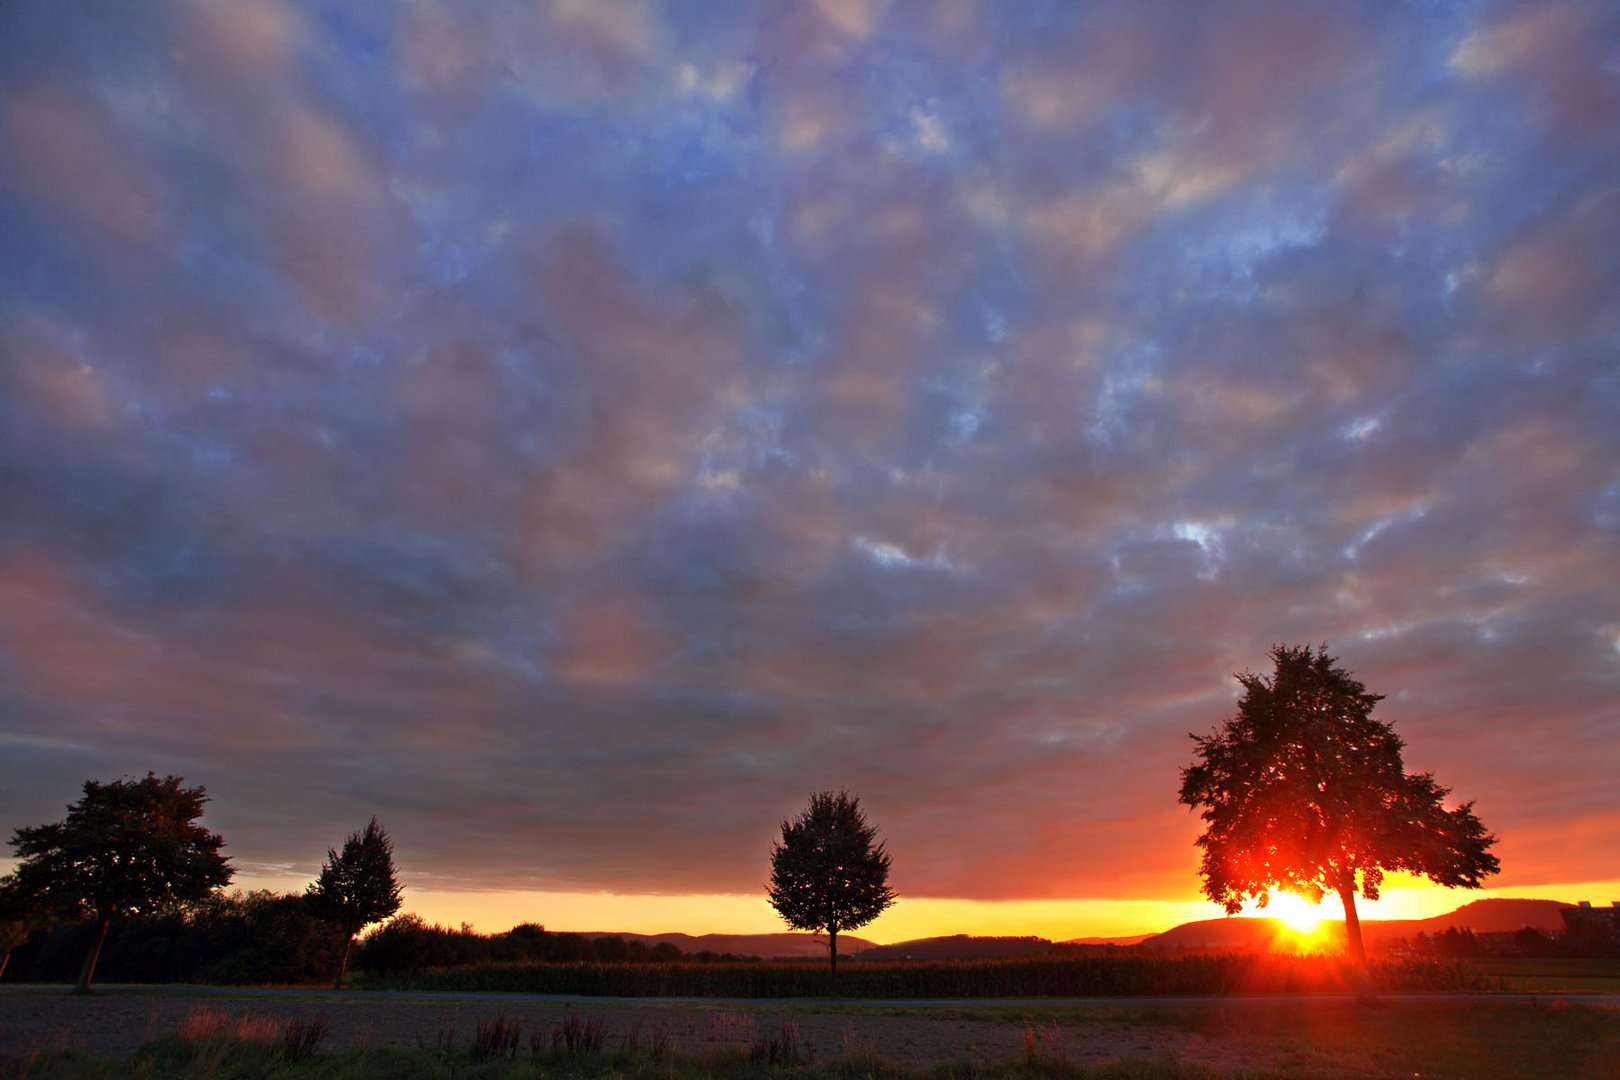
1554,50
609,638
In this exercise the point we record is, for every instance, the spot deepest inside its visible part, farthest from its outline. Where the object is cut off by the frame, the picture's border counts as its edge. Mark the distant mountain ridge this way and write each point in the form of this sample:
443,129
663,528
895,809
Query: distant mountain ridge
1243,933
960,947
1492,916
784,946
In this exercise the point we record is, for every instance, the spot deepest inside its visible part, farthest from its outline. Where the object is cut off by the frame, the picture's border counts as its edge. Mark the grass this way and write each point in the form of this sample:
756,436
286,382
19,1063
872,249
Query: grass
1551,976
1296,1040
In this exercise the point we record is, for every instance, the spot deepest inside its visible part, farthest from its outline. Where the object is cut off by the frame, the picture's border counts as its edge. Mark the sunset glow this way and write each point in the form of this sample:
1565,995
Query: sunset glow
1298,914
574,433
491,911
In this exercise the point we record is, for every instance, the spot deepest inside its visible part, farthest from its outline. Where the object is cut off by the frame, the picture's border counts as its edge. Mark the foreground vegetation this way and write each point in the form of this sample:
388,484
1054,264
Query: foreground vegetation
1550,975
1296,1040
1099,976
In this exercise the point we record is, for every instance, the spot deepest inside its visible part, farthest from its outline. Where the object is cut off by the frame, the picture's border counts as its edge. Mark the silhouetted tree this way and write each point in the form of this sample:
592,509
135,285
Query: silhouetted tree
131,847
828,873
1456,943
356,887
16,920
1304,791
1528,941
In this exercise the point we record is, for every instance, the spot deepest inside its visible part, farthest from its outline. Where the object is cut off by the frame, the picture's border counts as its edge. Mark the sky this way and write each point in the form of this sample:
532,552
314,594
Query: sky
574,432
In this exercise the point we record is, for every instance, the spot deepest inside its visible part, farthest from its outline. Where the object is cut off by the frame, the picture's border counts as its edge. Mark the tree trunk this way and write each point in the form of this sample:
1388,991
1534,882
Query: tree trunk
88,971
832,950
343,967
1352,935
5,958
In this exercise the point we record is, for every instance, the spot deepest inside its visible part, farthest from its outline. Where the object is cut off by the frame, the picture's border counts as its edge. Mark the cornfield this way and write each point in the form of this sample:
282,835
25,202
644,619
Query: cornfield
1111,976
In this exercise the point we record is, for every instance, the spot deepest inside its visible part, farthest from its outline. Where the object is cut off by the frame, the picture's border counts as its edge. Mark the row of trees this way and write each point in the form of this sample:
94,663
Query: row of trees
134,848
1302,791
238,938
266,938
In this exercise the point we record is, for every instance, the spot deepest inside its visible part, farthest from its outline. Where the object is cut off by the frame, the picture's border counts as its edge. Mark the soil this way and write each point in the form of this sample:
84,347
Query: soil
116,1022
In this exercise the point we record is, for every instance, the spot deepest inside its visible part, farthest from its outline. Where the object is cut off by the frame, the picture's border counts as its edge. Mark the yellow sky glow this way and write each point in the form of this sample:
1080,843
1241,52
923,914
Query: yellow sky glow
1059,920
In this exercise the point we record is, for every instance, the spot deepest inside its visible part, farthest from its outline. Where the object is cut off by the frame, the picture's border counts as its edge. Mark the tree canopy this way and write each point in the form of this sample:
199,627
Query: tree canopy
129,847
1305,791
829,873
357,886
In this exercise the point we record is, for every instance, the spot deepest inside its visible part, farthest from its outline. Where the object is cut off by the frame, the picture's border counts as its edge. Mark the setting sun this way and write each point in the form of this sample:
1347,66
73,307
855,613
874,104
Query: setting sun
1298,914
1303,927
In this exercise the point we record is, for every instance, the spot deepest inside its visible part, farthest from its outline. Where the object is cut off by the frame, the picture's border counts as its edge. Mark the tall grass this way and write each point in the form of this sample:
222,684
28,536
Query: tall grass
1111,976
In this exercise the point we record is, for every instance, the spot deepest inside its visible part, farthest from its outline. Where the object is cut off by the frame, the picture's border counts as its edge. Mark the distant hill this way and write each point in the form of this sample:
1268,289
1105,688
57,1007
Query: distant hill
1497,916
766,946
960,947
1239,933
808,946
1243,934
1133,939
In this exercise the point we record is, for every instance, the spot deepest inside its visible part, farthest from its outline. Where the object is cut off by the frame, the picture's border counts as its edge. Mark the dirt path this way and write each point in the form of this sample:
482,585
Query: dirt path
116,1021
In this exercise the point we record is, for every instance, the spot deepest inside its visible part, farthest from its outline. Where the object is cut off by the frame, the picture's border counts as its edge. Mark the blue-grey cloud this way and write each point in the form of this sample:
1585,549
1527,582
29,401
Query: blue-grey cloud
572,432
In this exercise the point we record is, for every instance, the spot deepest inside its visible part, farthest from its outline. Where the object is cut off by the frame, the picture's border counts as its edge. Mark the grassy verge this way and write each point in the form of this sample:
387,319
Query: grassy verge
1436,1039
1552,975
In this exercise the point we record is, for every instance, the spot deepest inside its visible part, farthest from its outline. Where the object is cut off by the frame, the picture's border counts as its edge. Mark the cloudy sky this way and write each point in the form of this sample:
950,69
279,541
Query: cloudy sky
575,431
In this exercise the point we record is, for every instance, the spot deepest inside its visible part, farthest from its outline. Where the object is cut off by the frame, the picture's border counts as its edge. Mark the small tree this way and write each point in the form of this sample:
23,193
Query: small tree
1304,791
356,887
131,847
828,875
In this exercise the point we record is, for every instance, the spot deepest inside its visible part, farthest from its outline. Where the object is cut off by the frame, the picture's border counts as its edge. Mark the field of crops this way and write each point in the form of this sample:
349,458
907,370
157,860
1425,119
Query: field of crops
1109,976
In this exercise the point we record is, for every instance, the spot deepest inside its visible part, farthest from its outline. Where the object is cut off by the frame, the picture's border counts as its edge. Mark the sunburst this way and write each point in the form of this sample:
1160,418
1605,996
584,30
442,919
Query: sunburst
1298,914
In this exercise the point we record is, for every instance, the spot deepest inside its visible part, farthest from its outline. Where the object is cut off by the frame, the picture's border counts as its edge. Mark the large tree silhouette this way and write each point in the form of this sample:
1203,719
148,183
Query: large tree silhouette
1304,791
131,847
357,886
829,873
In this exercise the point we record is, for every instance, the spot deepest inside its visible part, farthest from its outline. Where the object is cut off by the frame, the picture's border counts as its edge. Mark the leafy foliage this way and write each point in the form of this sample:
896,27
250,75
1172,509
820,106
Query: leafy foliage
357,886
129,847
235,938
1305,791
829,873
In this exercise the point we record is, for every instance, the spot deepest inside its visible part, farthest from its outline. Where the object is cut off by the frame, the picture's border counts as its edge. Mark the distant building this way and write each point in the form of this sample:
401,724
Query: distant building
1587,923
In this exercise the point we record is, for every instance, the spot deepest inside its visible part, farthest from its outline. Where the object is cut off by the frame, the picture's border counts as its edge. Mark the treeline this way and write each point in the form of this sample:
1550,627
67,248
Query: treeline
1528,942
262,937
408,944
235,938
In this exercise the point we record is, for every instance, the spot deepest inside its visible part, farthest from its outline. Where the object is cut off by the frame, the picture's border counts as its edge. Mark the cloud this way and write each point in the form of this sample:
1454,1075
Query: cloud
575,432
69,160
